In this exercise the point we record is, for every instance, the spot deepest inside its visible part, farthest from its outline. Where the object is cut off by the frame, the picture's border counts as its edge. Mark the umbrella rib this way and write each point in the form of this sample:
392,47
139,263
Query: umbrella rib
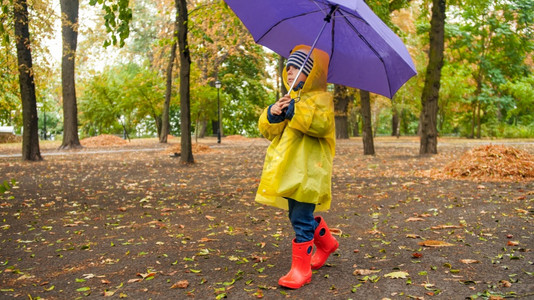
368,44
333,39
283,20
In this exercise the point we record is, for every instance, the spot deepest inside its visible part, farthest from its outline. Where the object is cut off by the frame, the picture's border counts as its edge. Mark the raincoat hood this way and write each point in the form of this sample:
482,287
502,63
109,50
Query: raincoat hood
317,78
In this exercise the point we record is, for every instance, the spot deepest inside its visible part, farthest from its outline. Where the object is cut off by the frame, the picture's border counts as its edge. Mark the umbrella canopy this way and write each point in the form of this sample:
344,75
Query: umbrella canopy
364,52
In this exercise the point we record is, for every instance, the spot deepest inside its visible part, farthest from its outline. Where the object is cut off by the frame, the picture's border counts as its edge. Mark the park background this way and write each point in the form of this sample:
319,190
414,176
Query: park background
112,210
125,77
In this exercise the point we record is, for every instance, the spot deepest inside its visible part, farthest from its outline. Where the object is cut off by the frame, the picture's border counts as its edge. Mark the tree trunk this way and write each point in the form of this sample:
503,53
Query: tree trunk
356,129
30,136
473,119
367,127
185,72
342,97
165,123
478,120
475,122
430,96
69,31
395,120
202,127
395,124
355,117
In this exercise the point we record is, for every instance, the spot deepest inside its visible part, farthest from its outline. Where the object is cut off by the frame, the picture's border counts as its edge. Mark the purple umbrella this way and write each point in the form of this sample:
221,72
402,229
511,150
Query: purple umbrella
364,52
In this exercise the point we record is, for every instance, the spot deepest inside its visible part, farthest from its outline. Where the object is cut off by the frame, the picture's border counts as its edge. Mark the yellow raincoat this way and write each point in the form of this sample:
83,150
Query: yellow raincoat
298,163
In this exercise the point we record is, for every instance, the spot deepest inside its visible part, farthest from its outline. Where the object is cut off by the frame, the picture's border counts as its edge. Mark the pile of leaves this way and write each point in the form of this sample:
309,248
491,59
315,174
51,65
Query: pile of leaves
10,138
104,140
236,138
493,162
196,147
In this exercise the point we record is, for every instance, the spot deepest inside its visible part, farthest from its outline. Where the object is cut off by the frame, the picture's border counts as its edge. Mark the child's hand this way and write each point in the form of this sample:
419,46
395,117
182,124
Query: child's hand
280,105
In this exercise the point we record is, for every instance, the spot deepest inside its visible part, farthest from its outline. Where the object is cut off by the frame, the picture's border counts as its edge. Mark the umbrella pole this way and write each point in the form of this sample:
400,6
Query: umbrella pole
326,21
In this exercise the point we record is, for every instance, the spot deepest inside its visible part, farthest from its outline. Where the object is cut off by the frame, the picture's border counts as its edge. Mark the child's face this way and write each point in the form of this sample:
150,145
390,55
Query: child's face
292,72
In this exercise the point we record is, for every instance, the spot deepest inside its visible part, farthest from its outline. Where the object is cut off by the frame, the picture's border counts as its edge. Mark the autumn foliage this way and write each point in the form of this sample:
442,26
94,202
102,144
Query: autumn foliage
104,140
493,162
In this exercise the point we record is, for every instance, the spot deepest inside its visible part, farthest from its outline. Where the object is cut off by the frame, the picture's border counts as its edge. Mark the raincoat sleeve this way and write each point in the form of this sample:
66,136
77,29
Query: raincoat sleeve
314,117
270,130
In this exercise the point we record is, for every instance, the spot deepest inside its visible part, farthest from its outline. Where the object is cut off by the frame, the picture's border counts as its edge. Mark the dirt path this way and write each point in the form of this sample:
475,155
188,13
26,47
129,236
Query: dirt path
124,222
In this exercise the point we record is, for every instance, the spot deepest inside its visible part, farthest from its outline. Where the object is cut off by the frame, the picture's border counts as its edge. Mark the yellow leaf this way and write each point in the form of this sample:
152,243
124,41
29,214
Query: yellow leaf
398,274
432,243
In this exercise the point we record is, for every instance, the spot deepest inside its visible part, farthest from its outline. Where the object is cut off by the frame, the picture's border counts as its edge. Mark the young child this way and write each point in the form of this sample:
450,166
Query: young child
298,165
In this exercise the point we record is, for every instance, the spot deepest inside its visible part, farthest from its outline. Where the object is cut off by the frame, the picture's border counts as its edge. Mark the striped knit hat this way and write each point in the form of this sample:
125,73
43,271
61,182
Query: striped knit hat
296,59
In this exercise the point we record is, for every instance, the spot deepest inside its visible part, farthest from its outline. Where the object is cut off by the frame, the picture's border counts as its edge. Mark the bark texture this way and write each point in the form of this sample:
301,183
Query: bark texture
185,74
367,126
429,99
343,95
69,32
30,136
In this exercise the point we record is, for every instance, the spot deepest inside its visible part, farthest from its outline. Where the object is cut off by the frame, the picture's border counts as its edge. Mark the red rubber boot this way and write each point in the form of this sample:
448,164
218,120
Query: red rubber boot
300,273
324,241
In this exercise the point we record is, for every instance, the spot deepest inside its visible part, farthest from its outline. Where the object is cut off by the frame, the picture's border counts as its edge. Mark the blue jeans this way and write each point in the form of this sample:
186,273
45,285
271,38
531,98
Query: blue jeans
302,220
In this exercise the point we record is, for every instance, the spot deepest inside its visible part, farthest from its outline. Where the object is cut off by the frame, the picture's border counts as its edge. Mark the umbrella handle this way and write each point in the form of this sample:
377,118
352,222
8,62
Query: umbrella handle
327,19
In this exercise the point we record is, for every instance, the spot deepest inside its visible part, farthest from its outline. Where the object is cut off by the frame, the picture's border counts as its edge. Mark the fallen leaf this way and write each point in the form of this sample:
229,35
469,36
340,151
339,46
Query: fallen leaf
512,243
205,239
146,275
374,231
505,283
469,261
417,255
445,227
182,284
335,231
364,272
414,219
413,236
398,274
432,243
